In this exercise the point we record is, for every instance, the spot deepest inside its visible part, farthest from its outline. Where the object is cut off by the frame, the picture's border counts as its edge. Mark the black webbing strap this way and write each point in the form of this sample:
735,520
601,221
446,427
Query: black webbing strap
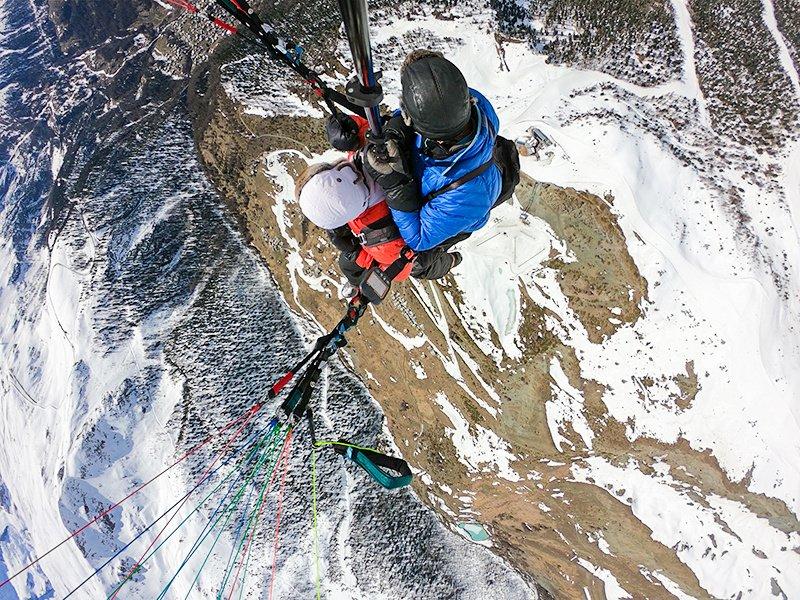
461,180
297,401
326,346
394,269
341,100
380,232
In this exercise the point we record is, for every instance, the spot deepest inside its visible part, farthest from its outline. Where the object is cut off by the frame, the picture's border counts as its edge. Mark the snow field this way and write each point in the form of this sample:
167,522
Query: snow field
712,301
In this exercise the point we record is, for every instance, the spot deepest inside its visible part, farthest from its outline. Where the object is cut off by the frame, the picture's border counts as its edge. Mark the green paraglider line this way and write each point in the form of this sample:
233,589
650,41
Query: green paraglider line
229,513
130,495
275,544
235,550
240,530
317,570
258,450
277,522
256,512
203,476
163,515
196,509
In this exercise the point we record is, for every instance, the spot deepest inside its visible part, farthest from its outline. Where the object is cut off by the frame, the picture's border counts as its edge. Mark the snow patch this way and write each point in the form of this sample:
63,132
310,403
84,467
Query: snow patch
485,448
565,406
713,537
613,590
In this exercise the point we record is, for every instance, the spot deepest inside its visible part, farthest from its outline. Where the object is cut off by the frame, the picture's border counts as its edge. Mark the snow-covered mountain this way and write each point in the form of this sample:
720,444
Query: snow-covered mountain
134,322
608,385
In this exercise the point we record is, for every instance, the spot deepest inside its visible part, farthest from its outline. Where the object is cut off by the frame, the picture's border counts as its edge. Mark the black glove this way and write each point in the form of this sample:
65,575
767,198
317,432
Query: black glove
388,159
405,197
386,162
342,132
395,128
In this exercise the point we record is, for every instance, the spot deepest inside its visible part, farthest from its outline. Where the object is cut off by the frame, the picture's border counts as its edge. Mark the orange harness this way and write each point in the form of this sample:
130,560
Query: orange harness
383,253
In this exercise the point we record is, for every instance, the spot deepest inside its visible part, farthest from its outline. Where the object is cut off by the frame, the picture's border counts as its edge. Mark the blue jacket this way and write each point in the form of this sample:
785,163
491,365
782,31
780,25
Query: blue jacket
464,209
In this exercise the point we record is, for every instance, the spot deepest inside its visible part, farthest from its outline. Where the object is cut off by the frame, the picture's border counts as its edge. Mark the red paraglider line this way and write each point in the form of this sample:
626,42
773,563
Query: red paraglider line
278,524
249,415
284,460
129,496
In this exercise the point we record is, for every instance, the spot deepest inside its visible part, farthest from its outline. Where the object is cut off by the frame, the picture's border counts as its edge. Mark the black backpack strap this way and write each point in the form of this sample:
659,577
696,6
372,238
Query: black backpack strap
506,157
461,180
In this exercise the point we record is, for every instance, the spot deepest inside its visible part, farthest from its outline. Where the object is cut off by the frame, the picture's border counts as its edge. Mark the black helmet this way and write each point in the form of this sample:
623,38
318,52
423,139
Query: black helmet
435,96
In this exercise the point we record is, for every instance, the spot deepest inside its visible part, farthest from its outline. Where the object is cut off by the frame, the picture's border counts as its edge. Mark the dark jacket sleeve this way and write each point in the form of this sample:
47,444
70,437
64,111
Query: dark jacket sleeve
405,197
343,239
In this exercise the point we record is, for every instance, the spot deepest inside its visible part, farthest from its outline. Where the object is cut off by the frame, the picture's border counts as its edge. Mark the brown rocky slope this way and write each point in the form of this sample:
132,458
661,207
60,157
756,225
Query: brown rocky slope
540,518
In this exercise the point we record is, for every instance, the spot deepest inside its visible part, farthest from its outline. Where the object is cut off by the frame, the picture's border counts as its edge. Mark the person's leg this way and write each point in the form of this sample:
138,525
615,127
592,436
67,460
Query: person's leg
434,263
349,268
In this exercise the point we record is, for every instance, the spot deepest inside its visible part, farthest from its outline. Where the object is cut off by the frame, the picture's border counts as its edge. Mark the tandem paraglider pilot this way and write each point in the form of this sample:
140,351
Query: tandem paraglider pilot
440,162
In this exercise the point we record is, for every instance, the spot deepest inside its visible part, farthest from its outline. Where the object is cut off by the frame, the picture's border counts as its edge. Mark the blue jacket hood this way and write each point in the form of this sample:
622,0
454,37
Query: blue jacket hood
464,209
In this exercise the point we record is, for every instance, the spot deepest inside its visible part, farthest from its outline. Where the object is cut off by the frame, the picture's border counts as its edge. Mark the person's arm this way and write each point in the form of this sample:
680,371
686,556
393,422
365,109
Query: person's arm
445,215
389,163
346,132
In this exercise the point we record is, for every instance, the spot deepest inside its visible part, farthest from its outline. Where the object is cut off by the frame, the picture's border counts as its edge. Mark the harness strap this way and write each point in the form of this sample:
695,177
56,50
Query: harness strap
461,180
371,236
393,270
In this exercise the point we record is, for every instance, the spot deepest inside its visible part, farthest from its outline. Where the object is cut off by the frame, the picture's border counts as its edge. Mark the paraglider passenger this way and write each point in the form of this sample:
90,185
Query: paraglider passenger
341,199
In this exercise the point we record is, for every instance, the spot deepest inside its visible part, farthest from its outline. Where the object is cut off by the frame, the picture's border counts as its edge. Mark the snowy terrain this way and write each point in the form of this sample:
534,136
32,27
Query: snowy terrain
134,320
712,300
723,295
146,307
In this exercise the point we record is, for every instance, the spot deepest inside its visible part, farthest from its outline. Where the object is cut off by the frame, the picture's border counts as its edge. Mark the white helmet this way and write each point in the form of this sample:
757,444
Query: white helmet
331,195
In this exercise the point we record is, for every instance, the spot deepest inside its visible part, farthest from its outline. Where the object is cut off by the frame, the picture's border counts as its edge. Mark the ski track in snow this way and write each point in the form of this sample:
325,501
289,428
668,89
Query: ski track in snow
683,21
